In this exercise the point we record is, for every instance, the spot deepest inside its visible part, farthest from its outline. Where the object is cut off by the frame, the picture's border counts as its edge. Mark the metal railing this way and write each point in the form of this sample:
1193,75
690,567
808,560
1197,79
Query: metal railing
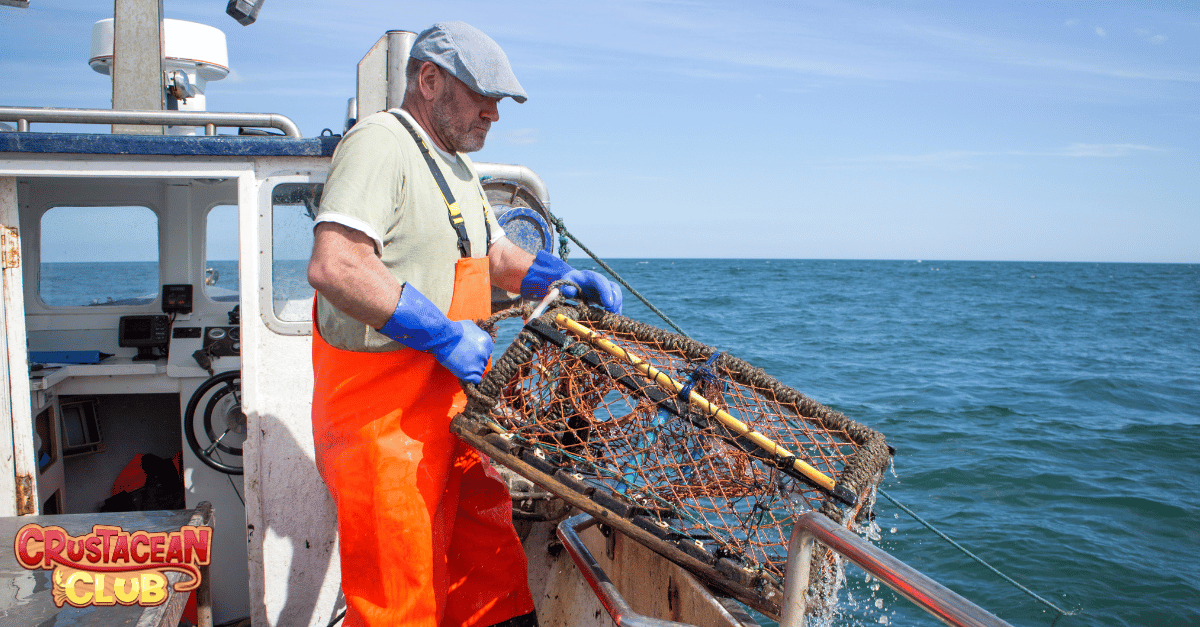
929,595
615,604
210,120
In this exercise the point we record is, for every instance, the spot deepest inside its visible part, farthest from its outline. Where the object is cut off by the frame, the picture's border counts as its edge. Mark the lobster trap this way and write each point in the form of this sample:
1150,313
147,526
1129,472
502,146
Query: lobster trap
695,453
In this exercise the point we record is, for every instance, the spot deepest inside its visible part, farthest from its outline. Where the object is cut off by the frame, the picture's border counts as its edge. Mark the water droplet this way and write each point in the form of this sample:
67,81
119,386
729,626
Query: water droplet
893,530
879,603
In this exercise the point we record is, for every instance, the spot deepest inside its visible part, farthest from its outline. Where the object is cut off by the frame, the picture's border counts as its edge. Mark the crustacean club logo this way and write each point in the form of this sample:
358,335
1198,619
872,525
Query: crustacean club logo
110,566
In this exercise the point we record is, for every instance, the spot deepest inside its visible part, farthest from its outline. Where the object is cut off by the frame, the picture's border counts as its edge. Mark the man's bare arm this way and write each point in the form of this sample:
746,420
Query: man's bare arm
346,271
508,264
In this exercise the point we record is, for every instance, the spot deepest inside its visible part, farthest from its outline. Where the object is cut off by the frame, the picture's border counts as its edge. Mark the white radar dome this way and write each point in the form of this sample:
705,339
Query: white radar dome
197,49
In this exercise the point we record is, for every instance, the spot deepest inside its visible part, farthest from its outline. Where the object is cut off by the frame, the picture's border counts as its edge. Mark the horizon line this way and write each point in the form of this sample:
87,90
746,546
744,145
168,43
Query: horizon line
892,259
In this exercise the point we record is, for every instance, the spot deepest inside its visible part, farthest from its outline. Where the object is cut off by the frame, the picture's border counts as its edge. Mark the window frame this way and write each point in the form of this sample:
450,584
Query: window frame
266,247
36,292
237,212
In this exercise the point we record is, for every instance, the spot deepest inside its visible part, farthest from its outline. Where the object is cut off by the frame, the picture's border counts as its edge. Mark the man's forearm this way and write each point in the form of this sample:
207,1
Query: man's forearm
507,264
345,270
370,303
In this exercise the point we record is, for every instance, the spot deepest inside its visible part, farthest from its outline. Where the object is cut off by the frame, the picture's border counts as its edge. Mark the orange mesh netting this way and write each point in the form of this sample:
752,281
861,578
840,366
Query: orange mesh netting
606,430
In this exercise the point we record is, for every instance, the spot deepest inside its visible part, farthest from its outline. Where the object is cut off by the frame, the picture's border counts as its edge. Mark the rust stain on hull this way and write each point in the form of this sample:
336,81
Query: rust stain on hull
11,247
26,506
673,600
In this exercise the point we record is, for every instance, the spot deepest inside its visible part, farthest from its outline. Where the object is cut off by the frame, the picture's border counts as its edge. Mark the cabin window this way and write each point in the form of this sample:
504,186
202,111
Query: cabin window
293,208
98,256
221,254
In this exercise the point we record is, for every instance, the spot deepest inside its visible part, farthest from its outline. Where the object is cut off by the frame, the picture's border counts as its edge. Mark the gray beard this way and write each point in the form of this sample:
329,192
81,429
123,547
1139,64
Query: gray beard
456,140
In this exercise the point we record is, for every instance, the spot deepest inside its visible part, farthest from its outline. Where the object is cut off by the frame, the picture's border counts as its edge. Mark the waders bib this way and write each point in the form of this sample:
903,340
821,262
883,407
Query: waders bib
424,522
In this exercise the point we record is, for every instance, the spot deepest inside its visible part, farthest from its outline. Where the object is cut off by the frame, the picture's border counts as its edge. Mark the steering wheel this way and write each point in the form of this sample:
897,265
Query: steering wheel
224,423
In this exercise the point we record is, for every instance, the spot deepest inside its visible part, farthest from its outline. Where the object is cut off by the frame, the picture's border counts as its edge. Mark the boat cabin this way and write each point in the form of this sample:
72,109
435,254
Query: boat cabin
156,319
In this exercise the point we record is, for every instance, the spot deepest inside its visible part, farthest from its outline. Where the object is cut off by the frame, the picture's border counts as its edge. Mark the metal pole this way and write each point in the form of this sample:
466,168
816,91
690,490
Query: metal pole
929,595
606,592
381,80
137,70
399,44
24,115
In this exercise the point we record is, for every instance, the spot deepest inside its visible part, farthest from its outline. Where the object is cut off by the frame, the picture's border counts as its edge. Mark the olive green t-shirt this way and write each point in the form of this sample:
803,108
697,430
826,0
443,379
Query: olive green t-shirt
380,184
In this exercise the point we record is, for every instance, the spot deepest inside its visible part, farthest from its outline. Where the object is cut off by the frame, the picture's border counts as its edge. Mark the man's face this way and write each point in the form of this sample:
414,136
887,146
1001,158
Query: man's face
461,117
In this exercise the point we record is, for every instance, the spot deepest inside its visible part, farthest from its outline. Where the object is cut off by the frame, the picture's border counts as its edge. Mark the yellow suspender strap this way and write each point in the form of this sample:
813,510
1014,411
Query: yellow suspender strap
456,219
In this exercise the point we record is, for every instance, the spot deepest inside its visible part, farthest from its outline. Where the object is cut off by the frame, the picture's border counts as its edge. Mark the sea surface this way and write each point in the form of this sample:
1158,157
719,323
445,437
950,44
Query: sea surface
1045,415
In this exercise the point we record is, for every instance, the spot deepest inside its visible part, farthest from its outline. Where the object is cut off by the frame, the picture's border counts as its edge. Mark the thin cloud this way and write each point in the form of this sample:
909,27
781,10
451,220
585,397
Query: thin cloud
1025,54
1179,76
1150,36
548,65
520,136
932,51
579,174
968,159
944,160
1100,150
653,32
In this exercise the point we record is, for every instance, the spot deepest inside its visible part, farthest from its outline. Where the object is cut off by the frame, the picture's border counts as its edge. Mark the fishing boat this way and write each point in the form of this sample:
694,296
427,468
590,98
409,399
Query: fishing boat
179,363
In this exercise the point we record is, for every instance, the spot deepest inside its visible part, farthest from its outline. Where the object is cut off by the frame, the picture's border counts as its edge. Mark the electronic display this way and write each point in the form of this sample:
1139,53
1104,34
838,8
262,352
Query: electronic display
144,333
177,298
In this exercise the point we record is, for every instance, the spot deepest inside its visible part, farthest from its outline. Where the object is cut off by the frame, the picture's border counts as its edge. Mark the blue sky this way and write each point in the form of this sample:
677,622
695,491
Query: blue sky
870,130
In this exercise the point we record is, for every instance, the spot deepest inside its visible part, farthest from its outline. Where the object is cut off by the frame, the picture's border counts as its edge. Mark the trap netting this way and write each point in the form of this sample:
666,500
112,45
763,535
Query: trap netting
623,442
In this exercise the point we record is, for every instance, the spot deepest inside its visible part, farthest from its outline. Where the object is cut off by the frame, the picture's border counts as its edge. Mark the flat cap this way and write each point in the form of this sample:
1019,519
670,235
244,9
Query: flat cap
471,57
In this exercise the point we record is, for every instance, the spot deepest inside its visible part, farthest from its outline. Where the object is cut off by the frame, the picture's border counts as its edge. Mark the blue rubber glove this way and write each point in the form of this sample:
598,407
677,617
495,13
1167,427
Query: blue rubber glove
461,346
547,269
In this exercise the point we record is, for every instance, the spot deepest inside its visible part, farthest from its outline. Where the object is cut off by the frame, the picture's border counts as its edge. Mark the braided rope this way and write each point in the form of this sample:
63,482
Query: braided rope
563,250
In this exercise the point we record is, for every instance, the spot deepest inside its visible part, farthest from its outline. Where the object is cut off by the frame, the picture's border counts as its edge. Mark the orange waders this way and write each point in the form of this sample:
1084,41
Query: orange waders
425,524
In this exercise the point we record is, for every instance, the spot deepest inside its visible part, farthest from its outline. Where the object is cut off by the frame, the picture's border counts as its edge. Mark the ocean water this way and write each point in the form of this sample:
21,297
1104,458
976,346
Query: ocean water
78,284
1045,415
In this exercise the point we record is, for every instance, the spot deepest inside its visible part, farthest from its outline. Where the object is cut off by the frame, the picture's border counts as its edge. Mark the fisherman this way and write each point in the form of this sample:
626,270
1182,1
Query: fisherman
405,254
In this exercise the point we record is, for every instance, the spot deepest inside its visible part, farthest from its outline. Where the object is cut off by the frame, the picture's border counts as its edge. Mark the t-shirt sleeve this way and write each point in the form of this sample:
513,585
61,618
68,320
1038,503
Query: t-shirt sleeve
497,230
360,192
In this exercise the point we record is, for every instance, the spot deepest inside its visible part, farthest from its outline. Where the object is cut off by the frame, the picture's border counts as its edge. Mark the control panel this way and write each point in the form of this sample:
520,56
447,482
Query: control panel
201,350
223,341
